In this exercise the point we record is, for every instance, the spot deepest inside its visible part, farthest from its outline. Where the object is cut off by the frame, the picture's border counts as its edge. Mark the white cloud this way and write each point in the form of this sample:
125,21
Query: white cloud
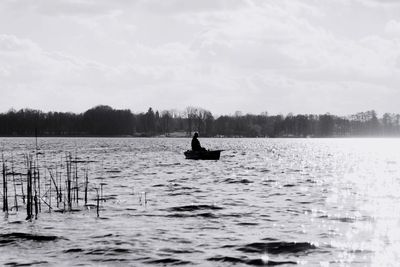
379,3
393,28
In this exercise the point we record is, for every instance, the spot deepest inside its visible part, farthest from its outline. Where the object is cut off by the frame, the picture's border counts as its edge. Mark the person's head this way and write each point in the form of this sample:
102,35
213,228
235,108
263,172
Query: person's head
196,134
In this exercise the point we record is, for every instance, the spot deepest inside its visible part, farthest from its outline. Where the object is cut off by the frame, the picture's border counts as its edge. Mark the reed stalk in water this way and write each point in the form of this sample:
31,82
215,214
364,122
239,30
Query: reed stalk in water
37,187
22,189
29,189
55,185
98,202
69,199
35,198
15,186
59,187
5,193
50,194
76,179
86,185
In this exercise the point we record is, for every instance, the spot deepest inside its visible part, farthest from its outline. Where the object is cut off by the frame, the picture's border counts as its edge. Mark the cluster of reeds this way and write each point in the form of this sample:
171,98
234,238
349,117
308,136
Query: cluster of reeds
58,187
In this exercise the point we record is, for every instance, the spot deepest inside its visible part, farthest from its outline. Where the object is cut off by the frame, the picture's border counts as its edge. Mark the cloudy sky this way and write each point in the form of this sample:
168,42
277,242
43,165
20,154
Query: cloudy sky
310,56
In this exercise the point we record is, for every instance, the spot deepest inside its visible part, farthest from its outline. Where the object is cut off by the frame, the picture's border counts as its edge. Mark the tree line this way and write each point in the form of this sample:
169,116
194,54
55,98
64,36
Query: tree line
106,121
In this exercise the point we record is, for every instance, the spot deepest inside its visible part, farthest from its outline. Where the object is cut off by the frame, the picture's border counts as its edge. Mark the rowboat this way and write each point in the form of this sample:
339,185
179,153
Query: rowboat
203,154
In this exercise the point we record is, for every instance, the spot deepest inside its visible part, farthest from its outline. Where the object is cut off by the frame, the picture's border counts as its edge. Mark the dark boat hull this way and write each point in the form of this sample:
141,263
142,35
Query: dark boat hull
203,155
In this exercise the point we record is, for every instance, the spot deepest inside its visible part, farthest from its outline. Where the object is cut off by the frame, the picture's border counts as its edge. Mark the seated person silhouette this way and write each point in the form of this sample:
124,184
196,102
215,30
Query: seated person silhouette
196,143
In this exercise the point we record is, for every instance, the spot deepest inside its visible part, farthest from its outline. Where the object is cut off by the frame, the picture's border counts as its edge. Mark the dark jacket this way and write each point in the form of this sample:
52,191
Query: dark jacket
196,144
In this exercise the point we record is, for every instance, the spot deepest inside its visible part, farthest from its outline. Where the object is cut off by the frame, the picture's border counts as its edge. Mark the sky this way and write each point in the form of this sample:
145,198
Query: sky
275,56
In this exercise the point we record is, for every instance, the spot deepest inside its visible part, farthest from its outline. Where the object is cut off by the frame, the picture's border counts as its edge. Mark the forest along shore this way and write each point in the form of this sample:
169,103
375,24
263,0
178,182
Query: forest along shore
104,121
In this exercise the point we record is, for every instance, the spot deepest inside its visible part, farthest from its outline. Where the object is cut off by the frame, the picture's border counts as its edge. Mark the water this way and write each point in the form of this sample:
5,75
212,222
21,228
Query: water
311,202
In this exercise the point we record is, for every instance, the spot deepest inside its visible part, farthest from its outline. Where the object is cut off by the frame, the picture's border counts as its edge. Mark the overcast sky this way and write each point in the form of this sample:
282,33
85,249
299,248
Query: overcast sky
311,56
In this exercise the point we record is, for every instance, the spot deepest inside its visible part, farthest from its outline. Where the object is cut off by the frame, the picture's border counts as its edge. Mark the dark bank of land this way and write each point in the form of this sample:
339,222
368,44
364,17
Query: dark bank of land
106,121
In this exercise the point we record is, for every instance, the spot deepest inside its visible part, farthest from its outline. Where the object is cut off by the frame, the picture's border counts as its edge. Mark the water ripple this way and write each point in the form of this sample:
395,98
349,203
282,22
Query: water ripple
277,247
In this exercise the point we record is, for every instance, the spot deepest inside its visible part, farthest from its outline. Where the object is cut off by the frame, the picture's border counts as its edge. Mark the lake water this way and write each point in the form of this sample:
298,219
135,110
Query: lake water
311,202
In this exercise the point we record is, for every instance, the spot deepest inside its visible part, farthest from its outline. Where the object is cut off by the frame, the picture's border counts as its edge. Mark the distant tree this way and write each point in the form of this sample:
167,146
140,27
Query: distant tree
190,115
166,119
103,120
150,121
326,125
372,123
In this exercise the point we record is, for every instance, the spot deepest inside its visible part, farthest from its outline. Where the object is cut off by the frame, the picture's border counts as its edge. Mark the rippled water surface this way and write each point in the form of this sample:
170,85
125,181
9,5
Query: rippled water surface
312,202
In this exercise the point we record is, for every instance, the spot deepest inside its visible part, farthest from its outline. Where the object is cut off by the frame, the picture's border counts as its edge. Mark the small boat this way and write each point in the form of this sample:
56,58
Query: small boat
203,154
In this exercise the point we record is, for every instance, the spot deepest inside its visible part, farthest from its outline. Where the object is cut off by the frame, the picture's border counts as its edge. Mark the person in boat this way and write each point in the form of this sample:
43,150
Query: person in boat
196,143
